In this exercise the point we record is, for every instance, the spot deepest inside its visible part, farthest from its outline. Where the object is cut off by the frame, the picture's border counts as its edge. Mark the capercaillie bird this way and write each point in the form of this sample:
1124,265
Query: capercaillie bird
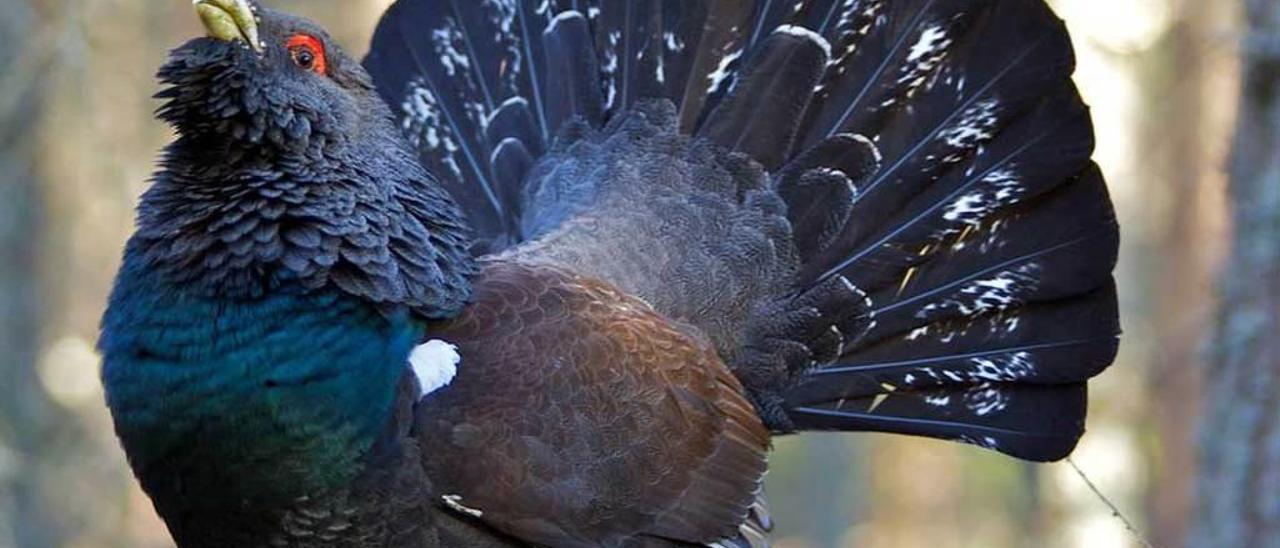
553,272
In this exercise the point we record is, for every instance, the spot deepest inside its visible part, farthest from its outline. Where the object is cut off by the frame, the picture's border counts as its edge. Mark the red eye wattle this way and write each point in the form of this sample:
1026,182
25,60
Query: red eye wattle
308,53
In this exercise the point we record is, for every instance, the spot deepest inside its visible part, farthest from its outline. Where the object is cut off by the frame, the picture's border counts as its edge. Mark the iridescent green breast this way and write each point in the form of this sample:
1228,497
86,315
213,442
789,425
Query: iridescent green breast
266,399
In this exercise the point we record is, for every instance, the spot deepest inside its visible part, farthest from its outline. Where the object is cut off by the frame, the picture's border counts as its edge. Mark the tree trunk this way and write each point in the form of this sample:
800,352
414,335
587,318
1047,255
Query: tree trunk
1174,79
1239,482
24,411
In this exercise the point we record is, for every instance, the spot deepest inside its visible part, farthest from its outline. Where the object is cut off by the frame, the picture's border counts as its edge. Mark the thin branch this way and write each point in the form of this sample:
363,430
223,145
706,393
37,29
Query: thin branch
1115,510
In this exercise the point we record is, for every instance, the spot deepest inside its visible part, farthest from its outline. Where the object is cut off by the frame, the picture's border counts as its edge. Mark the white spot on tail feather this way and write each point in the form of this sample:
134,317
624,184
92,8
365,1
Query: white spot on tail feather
1003,291
977,125
938,401
920,68
426,125
609,67
722,72
502,14
435,363
931,40
985,399
996,190
986,442
807,34
1003,368
672,41
561,18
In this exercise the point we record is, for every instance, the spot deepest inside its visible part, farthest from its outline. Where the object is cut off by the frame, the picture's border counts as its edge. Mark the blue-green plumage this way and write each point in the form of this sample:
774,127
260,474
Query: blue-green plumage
288,390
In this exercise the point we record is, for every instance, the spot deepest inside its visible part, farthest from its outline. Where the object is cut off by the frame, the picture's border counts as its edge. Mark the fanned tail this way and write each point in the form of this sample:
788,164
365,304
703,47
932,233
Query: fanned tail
956,242
943,180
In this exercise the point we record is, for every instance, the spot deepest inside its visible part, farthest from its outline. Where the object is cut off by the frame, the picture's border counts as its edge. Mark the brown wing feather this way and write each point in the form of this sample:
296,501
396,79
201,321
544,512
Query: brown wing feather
581,417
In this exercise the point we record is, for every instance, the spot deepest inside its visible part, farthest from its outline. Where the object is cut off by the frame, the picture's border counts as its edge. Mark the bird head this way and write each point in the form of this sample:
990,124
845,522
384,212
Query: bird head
265,78
288,166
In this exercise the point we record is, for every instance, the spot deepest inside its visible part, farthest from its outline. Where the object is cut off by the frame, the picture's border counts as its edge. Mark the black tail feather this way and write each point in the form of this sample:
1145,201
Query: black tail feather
572,78
1028,421
762,113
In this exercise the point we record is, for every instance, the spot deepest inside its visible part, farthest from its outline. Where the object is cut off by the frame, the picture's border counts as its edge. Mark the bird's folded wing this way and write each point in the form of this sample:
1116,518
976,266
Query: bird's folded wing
580,417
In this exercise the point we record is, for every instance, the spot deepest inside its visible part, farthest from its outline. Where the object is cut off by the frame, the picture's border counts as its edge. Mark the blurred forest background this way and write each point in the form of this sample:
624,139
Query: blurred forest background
1164,77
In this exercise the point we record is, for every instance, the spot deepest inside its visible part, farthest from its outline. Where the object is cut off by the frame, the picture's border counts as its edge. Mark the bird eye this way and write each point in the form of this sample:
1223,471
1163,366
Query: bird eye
307,53
304,58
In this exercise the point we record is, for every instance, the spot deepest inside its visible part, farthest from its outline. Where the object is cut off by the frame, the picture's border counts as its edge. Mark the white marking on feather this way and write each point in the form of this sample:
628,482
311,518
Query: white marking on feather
986,442
610,67
454,502
504,14
512,101
560,18
1000,292
425,125
1010,367
840,337
998,189
848,182
968,207
446,40
938,401
1011,324
932,39
722,73
866,300
857,19
976,126
673,42
807,34
435,363
920,68
509,141
985,399
875,150
917,333
849,285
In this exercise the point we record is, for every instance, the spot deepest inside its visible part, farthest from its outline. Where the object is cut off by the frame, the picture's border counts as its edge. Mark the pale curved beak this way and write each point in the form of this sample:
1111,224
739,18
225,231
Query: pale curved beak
230,20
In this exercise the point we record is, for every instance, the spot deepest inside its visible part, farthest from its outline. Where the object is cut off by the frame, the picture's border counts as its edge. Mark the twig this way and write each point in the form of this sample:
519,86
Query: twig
1115,510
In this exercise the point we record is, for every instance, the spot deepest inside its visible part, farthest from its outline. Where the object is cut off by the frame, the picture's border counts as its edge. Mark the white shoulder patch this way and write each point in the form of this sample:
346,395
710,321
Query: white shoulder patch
435,363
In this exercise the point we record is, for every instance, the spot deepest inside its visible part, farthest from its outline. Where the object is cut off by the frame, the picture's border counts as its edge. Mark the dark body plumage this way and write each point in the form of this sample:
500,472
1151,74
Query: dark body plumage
657,233
650,393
